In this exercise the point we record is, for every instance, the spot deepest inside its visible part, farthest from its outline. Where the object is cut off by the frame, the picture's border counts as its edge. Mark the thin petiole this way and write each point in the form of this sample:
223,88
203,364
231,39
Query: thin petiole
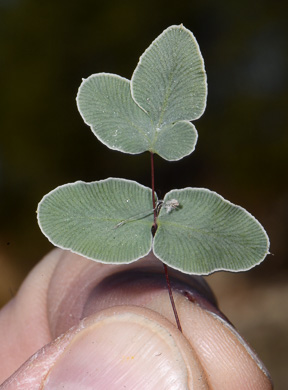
169,206
172,299
135,217
153,192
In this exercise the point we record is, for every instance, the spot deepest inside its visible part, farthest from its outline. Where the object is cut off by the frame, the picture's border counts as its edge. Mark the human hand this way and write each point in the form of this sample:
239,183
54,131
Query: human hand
112,327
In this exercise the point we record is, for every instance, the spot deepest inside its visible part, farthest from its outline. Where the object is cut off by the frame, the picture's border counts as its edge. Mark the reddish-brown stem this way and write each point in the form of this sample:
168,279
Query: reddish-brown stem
154,231
153,191
172,299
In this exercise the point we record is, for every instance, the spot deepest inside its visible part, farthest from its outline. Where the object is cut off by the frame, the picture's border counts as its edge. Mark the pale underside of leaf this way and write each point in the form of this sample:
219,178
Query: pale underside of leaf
176,140
208,233
105,103
168,86
83,217
169,82
110,221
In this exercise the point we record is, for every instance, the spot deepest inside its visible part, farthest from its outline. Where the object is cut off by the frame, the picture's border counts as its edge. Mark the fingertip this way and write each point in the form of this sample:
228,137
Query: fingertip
229,362
23,321
120,346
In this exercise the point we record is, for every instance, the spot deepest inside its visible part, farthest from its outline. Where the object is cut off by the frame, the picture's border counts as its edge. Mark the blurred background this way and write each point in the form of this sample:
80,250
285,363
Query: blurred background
48,47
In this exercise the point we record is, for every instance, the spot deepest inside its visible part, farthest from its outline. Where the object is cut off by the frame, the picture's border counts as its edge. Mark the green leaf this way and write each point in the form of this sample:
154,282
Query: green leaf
105,103
175,140
169,85
207,233
169,82
89,219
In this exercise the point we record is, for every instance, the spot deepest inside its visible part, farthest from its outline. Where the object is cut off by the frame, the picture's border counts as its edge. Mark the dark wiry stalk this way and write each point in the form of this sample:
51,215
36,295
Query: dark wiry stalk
153,192
172,299
154,230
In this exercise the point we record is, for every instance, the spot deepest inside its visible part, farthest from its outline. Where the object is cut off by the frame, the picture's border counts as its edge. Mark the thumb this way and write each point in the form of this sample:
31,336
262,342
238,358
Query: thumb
120,347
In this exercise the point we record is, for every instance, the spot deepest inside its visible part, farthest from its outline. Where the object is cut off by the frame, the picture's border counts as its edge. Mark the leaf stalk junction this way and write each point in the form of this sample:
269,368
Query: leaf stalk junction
154,228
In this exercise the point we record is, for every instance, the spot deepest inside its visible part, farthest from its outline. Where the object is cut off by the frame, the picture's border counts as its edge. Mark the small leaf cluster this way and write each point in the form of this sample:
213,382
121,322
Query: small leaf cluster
198,232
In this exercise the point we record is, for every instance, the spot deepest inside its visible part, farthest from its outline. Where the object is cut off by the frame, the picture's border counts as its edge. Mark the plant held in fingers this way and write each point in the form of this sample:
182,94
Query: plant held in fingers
193,230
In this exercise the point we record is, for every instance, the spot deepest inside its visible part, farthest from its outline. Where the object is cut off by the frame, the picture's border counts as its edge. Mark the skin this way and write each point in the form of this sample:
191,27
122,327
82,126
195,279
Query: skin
80,324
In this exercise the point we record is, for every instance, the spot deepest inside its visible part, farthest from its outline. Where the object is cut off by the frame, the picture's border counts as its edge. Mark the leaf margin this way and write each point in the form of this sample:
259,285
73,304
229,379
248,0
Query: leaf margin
171,194
46,196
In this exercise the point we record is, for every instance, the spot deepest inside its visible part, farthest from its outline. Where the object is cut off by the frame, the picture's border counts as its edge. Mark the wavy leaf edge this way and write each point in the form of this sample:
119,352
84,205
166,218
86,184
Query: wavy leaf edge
73,184
170,194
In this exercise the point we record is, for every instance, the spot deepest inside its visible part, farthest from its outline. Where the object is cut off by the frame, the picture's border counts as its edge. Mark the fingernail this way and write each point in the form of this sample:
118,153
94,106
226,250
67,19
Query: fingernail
249,350
124,350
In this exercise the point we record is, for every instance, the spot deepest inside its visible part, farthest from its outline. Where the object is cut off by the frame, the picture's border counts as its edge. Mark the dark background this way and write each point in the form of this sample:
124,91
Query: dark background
46,48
